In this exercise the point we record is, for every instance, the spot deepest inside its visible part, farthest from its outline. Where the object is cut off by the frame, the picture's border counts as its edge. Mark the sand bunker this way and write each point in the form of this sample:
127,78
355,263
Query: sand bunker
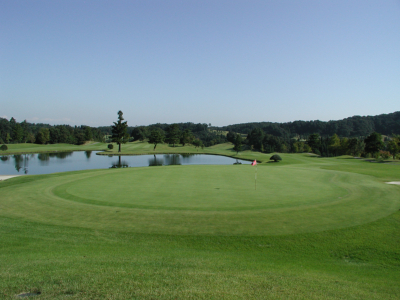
394,182
4,177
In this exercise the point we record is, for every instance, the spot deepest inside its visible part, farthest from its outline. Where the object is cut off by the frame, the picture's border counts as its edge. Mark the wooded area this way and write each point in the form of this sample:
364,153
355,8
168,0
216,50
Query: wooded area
356,135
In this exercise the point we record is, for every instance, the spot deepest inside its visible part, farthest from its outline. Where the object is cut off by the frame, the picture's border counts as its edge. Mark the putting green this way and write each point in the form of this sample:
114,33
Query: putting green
201,189
217,200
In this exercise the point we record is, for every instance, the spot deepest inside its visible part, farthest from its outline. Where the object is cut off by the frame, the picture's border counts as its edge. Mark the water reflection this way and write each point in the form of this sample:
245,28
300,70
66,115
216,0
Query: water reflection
172,159
119,164
45,163
237,162
155,161
88,154
60,155
44,159
18,160
21,161
168,160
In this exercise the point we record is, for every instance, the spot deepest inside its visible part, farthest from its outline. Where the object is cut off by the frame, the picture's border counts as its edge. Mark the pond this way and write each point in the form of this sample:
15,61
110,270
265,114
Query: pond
45,163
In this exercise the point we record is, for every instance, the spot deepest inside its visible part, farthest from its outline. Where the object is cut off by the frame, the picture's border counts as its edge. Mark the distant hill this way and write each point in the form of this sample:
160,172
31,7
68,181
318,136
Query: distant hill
356,126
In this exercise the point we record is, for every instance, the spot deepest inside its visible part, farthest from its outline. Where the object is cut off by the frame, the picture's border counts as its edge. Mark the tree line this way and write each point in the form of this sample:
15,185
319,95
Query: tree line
172,134
356,126
373,145
12,131
264,137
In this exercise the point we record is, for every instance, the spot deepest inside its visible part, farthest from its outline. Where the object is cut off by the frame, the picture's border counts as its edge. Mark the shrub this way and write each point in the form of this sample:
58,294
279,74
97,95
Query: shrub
275,157
4,147
110,146
385,154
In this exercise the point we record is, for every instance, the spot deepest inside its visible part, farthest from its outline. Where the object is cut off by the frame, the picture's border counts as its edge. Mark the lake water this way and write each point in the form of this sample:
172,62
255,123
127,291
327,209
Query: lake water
45,163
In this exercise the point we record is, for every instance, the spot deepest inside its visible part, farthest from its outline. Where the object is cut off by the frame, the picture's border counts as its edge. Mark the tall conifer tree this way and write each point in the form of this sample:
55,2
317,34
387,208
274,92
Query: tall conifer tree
119,131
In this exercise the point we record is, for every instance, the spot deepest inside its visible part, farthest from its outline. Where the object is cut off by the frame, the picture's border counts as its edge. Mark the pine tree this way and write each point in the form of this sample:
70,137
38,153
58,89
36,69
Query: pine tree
119,131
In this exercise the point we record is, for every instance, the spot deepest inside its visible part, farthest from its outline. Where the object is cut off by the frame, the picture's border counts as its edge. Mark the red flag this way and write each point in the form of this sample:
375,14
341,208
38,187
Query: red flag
254,163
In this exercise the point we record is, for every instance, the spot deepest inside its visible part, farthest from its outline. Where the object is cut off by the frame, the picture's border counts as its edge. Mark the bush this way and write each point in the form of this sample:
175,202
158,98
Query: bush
4,147
110,146
275,157
385,154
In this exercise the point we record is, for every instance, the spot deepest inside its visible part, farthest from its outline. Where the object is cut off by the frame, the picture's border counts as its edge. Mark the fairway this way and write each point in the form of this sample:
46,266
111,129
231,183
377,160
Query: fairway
202,200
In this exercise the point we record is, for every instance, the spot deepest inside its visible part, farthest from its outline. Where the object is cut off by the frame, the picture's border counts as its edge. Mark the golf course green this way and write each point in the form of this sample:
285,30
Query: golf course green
308,228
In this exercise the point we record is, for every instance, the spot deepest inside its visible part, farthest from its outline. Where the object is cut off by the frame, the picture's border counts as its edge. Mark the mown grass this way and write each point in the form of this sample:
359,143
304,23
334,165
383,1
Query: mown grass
203,232
35,148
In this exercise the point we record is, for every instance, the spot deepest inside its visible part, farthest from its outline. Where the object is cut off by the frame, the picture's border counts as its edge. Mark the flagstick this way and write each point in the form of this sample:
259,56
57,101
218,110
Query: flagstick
256,179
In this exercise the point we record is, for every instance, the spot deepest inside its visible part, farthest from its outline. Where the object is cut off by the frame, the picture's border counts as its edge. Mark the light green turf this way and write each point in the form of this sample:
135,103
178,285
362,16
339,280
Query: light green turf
35,148
205,199
315,228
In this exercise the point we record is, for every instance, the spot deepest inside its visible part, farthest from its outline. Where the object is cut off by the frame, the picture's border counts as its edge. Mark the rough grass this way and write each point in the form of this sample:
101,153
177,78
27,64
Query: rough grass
203,232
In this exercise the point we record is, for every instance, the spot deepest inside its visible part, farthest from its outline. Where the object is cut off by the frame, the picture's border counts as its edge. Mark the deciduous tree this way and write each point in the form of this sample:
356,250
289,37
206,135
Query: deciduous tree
394,146
173,134
238,143
373,143
156,137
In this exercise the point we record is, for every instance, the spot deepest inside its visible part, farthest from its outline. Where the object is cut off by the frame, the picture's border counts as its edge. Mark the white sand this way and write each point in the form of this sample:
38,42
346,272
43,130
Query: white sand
394,182
4,177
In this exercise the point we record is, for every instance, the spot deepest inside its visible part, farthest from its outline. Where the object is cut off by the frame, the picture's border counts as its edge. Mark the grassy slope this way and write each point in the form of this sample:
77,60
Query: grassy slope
35,148
89,253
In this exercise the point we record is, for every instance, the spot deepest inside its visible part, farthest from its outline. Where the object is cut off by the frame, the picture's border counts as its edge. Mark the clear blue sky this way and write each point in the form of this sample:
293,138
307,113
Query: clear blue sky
220,62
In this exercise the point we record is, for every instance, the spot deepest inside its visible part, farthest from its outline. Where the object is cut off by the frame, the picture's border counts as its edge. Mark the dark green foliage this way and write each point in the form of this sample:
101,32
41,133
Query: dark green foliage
274,144
17,133
231,137
14,132
186,137
173,134
139,133
156,137
238,143
119,131
80,138
314,141
355,147
198,143
394,146
110,146
200,131
275,158
255,138
355,126
43,136
373,143
88,133
4,147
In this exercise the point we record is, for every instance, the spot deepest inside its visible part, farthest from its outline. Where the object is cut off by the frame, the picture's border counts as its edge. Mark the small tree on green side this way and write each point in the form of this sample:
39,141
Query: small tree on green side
110,146
4,147
198,143
275,158
119,131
